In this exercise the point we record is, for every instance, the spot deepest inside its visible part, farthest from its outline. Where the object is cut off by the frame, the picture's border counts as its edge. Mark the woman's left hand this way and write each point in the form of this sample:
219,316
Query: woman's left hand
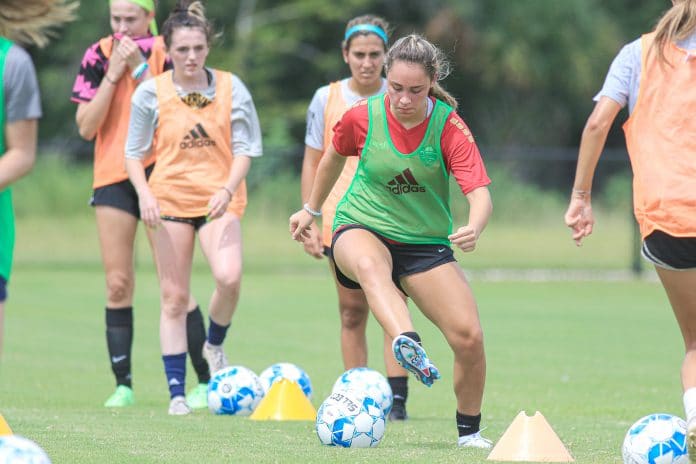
464,238
218,203
299,225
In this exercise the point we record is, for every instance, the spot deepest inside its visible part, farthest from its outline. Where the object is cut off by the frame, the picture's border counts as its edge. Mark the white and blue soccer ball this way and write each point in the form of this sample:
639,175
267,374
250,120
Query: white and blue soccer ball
234,390
368,382
350,420
284,370
656,439
15,449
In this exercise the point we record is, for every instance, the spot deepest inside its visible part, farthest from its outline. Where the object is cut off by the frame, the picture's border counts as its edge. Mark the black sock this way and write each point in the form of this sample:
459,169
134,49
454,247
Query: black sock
195,334
467,425
399,387
413,336
119,341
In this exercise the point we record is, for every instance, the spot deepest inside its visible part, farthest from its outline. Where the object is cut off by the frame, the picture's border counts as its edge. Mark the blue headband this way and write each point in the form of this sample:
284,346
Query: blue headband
367,28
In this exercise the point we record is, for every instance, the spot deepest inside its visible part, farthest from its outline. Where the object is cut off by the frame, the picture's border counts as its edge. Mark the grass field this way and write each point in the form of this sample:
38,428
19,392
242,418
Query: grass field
592,356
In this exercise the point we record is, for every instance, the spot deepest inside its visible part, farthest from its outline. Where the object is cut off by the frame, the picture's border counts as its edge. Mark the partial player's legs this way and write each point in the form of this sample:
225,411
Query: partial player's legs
354,311
681,291
445,298
363,258
221,242
173,244
116,229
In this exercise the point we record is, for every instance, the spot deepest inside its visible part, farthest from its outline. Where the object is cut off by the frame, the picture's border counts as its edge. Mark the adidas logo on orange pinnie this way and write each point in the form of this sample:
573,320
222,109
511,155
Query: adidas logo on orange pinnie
196,138
404,183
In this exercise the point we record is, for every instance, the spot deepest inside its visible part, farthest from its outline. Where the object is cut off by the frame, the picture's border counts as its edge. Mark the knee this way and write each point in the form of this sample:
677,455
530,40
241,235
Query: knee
467,341
119,286
174,303
353,314
368,272
229,281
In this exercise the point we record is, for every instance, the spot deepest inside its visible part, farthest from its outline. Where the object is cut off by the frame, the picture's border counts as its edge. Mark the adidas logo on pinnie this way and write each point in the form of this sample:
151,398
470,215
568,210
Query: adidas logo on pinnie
196,138
404,183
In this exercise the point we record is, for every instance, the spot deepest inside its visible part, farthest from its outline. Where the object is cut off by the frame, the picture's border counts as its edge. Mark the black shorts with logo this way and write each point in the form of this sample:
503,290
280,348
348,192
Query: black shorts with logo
120,195
666,251
407,258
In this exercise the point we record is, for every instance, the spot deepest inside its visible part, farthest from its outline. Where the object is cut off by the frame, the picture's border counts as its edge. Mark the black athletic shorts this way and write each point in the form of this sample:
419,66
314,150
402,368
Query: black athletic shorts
3,289
666,251
120,195
197,222
407,258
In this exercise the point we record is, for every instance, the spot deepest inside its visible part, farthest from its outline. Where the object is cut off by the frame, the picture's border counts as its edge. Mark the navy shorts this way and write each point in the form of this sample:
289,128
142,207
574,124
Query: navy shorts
666,251
197,222
3,289
120,195
407,258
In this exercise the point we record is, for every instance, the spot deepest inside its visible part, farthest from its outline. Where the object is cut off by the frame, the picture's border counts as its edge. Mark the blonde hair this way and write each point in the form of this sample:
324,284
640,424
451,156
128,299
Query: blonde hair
676,24
416,49
187,14
32,22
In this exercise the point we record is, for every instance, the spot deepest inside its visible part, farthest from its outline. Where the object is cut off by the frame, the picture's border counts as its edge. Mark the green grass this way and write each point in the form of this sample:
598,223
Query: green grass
591,356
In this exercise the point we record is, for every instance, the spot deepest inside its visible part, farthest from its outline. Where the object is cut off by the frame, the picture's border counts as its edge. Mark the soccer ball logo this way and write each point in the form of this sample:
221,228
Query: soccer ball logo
350,420
368,382
656,439
274,373
234,390
19,450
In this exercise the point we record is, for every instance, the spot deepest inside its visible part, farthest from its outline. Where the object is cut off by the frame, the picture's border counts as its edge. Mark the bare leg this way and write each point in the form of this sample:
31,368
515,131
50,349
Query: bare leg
444,297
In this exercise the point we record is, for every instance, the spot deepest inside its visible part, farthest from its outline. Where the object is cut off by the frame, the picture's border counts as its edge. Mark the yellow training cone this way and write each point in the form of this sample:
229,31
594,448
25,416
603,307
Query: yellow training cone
530,439
4,428
285,401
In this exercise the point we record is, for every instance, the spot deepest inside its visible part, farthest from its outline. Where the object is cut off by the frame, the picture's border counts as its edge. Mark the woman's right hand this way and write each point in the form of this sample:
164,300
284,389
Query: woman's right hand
300,223
579,217
313,245
149,209
125,54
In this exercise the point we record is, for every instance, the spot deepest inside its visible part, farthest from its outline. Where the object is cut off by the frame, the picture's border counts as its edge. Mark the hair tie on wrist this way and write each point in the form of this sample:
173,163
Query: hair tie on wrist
139,71
311,211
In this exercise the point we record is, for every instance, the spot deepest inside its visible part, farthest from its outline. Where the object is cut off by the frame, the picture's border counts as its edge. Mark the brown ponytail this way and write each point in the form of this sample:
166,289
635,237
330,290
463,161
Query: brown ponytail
416,49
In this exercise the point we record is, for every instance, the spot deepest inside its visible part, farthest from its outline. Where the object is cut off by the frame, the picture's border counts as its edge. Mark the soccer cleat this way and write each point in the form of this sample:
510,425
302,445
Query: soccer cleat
179,407
215,356
691,439
398,412
412,357
475,440
122,397
197,398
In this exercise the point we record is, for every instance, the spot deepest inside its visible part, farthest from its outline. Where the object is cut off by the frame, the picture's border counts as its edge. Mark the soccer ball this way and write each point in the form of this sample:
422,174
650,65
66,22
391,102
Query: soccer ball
283,370
19,450
369,382
234,390
351,420
656,439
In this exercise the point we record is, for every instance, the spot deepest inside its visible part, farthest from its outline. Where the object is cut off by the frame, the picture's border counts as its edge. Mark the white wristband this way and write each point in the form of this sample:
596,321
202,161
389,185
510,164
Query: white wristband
310,210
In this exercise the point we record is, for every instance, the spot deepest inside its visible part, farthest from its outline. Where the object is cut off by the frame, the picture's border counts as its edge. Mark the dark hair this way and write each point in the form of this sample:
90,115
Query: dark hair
187,14
369,20
416,49
676,24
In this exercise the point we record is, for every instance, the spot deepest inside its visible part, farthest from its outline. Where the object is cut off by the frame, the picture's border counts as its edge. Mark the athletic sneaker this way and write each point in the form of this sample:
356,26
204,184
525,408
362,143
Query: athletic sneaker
215,356
691,439
178,406
412,357
475,440
122,397
398,412
197,398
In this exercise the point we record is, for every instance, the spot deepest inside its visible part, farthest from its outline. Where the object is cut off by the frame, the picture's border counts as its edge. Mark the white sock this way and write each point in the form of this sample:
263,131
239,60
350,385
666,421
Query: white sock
690,403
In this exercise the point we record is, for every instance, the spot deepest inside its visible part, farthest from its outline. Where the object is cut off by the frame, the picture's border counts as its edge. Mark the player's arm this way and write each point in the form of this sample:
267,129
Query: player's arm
19,157
579,216
313,246
328,170
219,202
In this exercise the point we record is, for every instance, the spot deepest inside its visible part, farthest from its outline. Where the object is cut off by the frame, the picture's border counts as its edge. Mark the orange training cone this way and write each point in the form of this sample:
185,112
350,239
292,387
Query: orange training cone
530,439
285,401
4,427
